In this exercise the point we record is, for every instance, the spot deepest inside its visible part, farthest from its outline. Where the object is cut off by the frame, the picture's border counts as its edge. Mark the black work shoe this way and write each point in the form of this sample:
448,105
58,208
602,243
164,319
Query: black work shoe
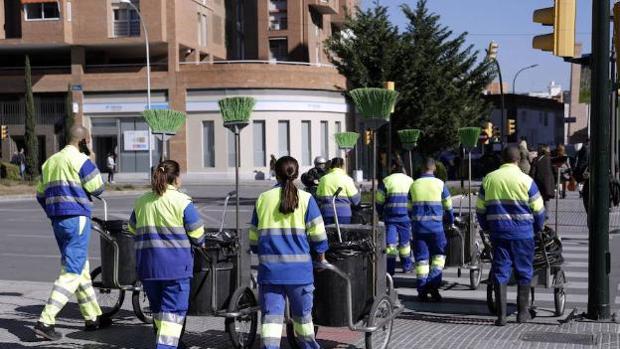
48,332
436,296
501,292
101,322
423,297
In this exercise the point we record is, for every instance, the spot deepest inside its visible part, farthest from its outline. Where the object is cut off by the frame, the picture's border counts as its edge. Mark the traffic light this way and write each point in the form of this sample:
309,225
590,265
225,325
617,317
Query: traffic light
562,17
512,127
492,50
367,136
4,134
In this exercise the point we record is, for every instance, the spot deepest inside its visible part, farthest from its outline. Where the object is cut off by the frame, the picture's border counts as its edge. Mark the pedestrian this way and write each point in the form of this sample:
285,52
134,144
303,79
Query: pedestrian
510,207
311,178
286,226
524,162
542,173
167,225
68,179
392,206
349,196
582,172
272,167
431,205
21,161
562,165
111,166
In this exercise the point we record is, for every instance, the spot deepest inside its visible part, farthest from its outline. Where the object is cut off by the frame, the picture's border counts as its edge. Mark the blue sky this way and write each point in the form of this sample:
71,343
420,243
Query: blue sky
509,23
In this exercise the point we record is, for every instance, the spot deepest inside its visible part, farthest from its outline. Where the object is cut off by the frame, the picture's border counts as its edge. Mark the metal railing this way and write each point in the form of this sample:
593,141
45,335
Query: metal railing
255,61
48,112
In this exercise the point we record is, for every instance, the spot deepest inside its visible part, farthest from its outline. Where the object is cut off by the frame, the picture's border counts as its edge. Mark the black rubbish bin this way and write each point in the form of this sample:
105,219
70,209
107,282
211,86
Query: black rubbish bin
222,259
126,266
353,257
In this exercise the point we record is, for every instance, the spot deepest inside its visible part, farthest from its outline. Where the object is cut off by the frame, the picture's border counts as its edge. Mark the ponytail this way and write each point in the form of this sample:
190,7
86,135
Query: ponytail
287,170
166,173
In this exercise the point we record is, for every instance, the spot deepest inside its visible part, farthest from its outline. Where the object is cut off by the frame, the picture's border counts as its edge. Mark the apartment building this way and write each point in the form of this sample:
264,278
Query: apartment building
200,51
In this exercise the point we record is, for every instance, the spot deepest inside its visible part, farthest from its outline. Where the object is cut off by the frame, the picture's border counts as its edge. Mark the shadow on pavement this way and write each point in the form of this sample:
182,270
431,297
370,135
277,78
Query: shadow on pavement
11,294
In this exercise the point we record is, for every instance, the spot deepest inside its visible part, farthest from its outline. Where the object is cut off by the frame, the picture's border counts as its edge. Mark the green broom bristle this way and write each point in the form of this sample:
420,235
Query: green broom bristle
468,136
347,140
164,120
410,135
236,109
374,103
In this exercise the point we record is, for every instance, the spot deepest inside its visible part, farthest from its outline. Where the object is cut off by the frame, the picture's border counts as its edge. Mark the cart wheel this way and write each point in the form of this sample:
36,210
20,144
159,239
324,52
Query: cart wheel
290,334
475,276
381,310
242,329
110,299
559,298
491,299
141,305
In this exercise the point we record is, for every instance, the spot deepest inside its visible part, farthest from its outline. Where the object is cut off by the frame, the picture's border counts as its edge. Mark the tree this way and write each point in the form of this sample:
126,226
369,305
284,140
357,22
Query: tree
441,85
440,80
364,49
30,135
69,117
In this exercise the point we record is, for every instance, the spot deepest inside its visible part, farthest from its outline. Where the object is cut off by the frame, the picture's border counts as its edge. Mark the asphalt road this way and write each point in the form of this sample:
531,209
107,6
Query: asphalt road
28,250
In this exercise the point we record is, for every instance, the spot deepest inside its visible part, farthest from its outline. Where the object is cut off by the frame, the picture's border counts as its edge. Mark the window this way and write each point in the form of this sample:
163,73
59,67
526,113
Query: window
126,19
278,49
199,29
68,13
42,11
259,143
324,139
338,130
204,31
306,146
278,21
208,143
283,138
231,149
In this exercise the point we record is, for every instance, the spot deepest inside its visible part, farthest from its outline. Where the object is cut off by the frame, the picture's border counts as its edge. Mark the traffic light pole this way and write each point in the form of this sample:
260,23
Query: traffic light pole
598,216
502,105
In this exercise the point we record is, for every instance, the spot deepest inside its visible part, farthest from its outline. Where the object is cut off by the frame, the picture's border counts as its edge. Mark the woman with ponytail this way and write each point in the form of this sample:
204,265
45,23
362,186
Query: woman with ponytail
286,225
166,225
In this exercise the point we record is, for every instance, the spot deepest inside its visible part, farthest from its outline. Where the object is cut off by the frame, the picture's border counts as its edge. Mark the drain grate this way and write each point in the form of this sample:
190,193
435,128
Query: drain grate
559,337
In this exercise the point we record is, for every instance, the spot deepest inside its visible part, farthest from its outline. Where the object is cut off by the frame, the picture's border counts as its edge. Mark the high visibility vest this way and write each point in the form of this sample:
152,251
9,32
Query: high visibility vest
430,198
165,227
283,241
509,204
67,180
393,198
328,185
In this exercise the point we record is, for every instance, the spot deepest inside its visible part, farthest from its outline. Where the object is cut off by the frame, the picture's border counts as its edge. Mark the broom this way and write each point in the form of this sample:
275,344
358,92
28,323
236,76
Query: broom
236,110
409,139
347,140
164,122
468,137
236,113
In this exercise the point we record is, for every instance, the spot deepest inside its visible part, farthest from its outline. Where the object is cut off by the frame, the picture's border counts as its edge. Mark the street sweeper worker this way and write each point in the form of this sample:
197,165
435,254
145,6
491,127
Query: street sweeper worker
166,224
349,196
286,226
393,207
511,208
431,206
68,180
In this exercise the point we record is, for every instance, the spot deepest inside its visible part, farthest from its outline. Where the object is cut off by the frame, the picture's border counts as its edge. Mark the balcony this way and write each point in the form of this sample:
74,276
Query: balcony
48,111
325,7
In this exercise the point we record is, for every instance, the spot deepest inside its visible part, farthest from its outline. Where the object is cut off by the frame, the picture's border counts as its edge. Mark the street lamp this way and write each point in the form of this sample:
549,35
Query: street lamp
514,81
148,75
492,56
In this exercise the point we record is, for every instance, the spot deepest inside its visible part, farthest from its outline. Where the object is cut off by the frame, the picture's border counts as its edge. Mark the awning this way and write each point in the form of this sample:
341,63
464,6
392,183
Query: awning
36,1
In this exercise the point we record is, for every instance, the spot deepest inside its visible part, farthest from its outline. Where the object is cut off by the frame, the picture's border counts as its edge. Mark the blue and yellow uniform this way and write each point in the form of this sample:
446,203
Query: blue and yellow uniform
349,196
165,229
68,180
511,208
431,205
393,206
283,243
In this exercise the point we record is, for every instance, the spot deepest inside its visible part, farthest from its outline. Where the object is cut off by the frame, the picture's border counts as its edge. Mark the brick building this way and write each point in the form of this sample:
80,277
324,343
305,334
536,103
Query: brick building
200,51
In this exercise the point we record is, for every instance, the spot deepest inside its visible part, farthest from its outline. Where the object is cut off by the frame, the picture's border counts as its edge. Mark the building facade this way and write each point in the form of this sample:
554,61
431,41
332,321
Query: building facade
200,51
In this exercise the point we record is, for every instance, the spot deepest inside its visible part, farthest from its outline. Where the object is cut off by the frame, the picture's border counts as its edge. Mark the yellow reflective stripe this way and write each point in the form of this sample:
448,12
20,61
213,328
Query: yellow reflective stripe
537,205
196,234
422,268
391,250
304,330
380,197
170,329
404,250
271,330
447,203
438,261
40,188
94,185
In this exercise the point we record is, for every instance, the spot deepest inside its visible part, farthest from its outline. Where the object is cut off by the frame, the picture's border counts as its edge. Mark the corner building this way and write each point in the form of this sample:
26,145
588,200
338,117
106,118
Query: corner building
200,51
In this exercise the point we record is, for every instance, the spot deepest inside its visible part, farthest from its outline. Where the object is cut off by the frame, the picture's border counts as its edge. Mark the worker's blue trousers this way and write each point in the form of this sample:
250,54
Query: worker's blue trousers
341,220
398,237
169,301
272,302
430,258
513,254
